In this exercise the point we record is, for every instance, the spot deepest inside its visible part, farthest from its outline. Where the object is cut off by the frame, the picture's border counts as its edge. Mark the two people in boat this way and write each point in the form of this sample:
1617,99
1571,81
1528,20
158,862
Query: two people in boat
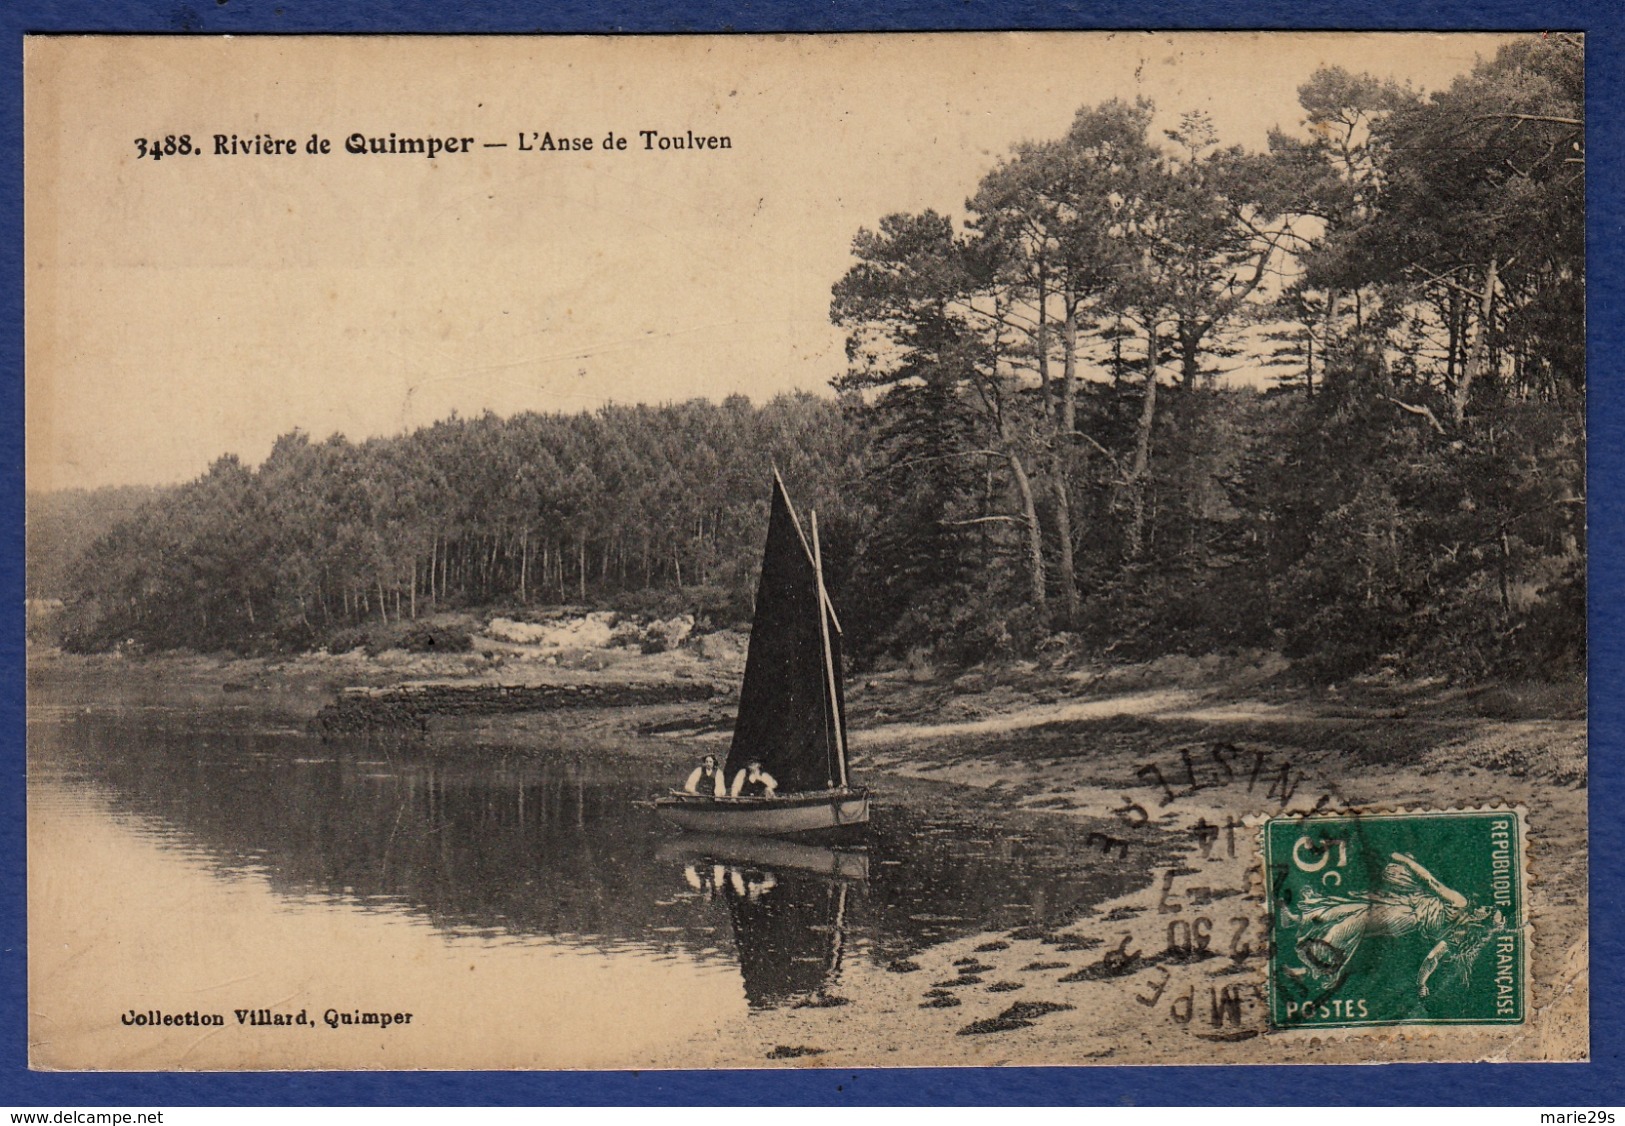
752,782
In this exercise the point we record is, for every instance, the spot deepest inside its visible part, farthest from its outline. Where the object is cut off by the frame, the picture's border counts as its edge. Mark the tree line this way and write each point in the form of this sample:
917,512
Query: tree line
1031,439
1053,452
656,507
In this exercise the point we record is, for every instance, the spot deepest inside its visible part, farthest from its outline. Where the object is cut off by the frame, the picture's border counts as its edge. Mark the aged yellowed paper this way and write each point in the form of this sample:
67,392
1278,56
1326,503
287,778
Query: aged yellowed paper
740,551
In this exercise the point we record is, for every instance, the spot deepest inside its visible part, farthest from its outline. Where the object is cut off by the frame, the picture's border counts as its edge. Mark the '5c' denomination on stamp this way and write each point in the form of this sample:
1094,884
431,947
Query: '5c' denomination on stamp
1397,918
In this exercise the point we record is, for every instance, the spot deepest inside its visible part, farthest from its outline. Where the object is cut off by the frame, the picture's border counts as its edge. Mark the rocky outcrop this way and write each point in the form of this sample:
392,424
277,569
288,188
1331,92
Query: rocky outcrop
414,705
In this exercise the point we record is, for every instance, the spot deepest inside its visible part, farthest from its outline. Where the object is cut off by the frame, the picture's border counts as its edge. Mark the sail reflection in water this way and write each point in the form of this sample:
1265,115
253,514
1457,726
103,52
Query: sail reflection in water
788,905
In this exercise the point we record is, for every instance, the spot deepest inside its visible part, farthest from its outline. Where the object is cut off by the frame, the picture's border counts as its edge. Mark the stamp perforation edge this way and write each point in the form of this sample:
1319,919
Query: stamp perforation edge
1403,1028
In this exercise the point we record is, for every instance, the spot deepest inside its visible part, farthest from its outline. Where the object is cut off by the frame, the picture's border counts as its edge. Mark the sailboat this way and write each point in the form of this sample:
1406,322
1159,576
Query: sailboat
792,711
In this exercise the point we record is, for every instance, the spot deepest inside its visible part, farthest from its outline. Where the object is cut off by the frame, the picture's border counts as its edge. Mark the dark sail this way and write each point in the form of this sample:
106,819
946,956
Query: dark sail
787,718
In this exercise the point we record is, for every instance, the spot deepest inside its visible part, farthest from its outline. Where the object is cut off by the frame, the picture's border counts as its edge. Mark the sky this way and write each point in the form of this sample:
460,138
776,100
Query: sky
183,308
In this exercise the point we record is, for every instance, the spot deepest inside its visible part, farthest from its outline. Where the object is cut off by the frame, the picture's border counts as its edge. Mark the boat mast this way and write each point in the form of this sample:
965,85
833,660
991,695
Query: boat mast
796,520
829,655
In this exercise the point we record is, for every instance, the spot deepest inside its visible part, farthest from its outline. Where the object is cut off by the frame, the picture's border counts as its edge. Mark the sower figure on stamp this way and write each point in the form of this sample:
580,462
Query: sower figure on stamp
1409,900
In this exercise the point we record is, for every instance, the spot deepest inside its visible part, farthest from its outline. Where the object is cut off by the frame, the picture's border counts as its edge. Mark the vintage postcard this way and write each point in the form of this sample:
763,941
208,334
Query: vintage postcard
805,551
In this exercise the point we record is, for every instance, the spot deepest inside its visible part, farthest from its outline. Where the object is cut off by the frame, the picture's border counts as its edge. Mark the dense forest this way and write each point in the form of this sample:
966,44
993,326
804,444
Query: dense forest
651,508
1145,393
63,523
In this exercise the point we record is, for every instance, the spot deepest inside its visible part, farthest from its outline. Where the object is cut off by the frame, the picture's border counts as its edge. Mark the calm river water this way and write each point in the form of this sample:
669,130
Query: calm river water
526,903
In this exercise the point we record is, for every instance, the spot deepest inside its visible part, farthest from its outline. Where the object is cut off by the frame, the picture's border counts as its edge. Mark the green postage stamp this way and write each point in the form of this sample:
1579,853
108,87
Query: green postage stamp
1397,918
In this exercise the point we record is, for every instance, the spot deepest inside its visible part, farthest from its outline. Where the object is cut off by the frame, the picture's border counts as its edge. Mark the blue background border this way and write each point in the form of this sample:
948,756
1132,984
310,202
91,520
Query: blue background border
1599,1083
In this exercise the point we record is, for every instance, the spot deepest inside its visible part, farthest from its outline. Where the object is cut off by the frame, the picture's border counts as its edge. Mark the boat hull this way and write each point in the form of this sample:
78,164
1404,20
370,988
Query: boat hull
833,812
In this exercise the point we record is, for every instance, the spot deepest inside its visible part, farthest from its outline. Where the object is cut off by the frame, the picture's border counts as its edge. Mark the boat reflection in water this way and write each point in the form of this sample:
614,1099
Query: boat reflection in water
547,847
788,905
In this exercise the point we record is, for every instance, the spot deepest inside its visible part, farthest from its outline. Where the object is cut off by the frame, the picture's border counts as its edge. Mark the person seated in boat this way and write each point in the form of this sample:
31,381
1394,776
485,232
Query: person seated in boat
706,778
754,782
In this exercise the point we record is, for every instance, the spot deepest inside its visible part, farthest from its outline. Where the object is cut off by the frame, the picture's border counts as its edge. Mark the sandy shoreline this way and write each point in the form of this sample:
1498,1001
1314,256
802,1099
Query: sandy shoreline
1113,753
